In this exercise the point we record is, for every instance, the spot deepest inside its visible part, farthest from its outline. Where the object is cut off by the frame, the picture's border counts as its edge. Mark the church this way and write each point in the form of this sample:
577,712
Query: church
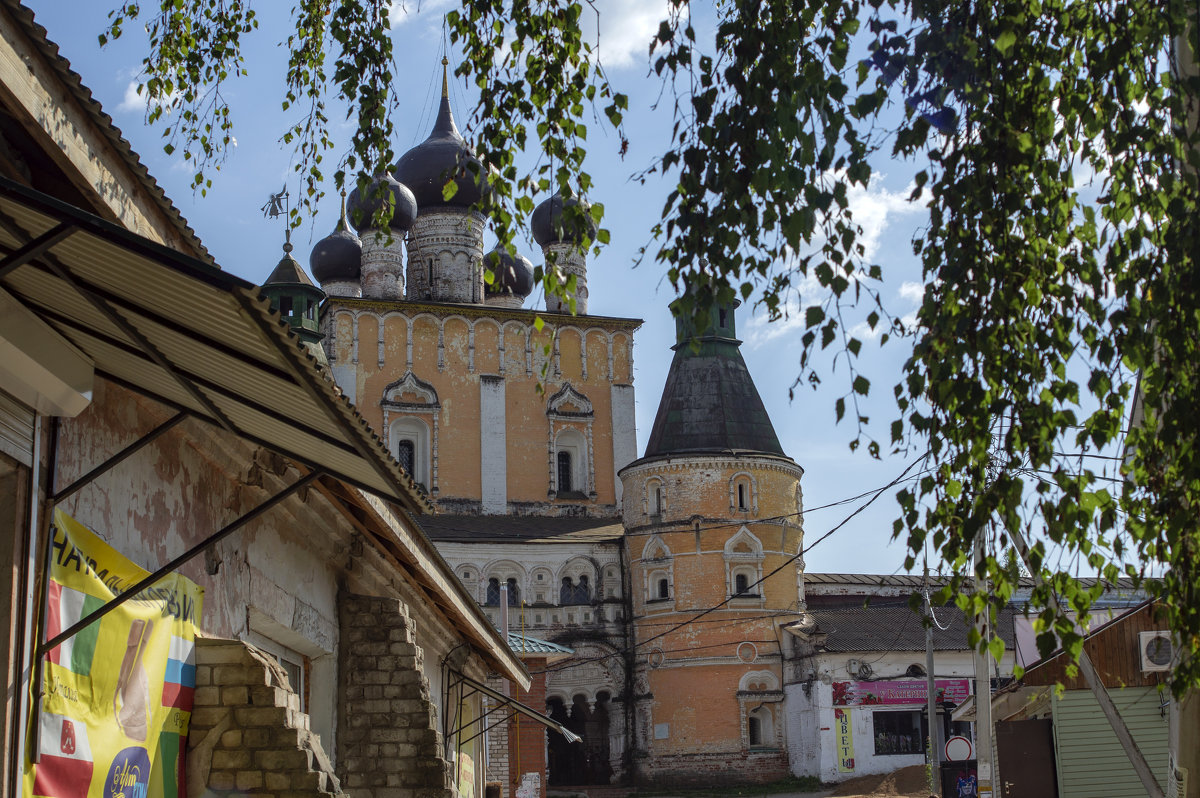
523,437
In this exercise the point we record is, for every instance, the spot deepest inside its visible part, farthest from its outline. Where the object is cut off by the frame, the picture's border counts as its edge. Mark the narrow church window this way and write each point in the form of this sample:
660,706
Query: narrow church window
514,598
493,592
583,593
664,589
741,584
721,313
566,593
285,306
741,495
656,500
753,726
310,312
564,473
406,455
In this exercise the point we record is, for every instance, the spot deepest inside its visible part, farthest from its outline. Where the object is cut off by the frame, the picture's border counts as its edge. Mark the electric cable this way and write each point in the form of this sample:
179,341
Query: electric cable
787,562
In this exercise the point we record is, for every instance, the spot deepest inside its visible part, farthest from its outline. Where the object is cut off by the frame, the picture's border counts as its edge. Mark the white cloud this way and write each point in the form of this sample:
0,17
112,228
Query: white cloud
402,11
873,210
135,98
623,30
913,292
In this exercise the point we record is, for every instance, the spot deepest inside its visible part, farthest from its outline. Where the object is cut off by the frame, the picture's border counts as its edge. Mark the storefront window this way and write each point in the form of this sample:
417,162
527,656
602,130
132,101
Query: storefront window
898,732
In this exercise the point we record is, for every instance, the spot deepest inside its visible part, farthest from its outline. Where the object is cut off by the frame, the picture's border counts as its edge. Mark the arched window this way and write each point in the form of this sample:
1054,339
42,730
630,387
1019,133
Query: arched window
410,446
741,497
583,591
741,584
664,589
514,593
566,593
406,454
754,727
565,472
493,592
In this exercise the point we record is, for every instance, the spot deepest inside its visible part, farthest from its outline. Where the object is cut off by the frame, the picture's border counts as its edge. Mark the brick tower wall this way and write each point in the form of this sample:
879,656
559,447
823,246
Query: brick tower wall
388,742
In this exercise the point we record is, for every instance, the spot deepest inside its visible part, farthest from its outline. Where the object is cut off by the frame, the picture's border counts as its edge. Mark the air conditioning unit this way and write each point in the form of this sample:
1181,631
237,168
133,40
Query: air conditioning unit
1156,651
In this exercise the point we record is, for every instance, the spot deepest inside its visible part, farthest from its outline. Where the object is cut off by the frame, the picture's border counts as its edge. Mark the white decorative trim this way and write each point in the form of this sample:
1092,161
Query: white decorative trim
410,383
426,406
568,395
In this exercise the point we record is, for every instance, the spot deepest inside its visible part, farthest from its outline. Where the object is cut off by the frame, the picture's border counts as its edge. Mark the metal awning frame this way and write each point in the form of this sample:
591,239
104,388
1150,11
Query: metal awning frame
45,646
461,682
135,326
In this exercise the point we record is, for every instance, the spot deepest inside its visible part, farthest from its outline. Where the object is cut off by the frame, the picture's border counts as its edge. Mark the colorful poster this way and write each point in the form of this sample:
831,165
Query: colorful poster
853,694
117,696
845,740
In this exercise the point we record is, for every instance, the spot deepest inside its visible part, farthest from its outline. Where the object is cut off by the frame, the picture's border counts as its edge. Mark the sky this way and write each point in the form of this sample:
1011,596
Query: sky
230,224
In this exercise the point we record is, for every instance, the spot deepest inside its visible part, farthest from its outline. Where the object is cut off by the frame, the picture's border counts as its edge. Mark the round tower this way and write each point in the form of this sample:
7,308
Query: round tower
563,226
336,260
445,248
383,250
712,520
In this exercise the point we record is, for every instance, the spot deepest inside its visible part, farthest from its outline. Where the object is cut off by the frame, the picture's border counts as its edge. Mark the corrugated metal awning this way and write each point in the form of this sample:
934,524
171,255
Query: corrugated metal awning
189,335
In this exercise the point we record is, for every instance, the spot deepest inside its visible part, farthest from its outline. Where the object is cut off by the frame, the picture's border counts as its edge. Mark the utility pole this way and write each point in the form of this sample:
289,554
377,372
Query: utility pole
983,682
935,736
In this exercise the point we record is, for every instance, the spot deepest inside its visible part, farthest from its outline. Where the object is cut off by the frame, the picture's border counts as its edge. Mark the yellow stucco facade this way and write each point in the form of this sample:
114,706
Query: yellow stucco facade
488,399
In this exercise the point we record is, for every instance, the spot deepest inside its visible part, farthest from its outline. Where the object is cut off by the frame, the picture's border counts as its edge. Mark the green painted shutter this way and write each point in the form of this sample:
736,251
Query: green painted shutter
1091,762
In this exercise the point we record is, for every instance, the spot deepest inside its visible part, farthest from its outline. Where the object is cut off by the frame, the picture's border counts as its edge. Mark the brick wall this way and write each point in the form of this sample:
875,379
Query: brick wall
527,738
247,732
388,742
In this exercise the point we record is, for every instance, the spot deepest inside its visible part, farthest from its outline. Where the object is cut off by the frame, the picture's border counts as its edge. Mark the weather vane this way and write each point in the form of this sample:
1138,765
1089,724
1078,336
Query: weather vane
279,205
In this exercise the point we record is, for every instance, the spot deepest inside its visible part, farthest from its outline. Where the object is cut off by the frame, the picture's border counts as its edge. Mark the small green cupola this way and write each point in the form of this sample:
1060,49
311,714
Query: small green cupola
294,296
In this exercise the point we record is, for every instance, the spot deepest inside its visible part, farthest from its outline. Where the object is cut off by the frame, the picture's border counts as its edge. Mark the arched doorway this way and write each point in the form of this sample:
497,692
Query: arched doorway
587,762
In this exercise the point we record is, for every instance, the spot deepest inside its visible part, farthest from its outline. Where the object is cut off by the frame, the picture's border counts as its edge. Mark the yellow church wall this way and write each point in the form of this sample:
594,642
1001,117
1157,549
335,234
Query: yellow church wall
471,346
696,727
569,348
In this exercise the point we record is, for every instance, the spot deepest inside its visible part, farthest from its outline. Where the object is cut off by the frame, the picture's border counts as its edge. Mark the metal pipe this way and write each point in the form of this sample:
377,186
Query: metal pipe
935,737
43,598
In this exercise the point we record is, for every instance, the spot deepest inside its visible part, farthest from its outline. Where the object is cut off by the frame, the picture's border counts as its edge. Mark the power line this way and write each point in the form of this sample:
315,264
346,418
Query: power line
630,649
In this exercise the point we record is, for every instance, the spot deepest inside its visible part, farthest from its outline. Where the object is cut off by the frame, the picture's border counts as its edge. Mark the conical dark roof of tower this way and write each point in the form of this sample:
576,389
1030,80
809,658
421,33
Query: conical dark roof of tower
709,402
289,272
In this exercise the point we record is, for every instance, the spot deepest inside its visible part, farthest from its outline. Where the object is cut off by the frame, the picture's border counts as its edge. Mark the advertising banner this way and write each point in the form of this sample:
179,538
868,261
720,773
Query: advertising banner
845,740
913,691
117,696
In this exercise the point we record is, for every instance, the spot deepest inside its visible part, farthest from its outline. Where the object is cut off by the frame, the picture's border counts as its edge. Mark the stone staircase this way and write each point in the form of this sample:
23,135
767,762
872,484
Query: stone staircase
247,732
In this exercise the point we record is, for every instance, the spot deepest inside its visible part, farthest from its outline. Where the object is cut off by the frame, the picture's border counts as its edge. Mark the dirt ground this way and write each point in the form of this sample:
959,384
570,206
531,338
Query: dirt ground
904,783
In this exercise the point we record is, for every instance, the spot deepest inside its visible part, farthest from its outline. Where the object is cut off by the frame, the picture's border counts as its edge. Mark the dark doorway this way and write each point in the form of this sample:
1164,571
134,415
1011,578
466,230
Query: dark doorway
587,762
1025,749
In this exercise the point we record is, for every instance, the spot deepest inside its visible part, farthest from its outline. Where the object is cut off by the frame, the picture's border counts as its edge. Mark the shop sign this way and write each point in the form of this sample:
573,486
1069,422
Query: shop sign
910,691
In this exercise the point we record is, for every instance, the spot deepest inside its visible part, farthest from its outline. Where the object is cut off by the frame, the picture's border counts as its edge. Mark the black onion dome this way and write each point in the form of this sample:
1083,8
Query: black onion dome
337,256
514,275
549,225
445,155
364,205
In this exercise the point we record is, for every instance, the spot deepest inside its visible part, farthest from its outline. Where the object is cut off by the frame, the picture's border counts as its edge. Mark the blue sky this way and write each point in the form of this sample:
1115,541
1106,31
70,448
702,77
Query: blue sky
243,242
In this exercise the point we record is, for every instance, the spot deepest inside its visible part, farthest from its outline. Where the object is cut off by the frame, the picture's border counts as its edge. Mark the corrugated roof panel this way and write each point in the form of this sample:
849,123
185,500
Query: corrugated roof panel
190,303
231,350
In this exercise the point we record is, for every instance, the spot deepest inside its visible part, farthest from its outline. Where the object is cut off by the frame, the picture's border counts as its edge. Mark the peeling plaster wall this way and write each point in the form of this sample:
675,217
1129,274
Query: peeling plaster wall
174,493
